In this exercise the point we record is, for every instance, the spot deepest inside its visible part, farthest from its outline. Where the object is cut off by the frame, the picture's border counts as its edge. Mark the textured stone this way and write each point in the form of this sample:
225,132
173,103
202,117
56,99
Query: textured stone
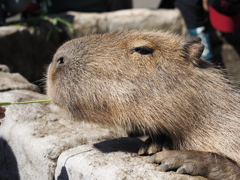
110,160
11,81
4,68
89,23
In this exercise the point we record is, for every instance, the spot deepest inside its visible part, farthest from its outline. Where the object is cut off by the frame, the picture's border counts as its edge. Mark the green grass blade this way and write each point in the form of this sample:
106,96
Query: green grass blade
26,102
5,103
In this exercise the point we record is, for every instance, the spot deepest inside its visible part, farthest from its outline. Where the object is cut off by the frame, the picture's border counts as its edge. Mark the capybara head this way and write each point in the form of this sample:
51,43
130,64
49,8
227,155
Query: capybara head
148,81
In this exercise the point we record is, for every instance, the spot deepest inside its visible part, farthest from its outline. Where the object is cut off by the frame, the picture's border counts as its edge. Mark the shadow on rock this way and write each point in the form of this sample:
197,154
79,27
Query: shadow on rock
126,144
63,175
8,162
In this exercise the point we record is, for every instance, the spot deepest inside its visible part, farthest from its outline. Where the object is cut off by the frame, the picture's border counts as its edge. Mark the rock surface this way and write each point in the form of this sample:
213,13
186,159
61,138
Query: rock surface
89,23
36,143
15,81
113,161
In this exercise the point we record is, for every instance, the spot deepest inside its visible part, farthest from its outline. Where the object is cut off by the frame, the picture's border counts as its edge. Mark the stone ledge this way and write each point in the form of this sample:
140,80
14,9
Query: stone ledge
108,160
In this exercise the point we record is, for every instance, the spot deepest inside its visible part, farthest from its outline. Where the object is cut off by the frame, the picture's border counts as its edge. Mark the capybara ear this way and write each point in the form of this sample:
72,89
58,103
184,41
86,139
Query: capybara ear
192,48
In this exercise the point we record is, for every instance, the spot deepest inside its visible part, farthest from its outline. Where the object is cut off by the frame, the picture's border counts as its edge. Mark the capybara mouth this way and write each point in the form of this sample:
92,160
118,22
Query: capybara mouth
51,92
57,80
54,91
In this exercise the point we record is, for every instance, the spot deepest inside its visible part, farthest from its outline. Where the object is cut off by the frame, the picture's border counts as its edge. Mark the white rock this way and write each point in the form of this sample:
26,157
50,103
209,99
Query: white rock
12,81
87,162
141,19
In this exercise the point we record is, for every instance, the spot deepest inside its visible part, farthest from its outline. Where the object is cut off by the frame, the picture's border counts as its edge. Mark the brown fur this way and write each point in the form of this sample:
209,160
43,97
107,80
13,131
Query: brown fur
171,91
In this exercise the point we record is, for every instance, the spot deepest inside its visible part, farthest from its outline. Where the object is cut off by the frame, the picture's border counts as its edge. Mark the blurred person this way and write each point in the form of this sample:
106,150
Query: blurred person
36,7
11,7
224,14
196,20
58,6
167,4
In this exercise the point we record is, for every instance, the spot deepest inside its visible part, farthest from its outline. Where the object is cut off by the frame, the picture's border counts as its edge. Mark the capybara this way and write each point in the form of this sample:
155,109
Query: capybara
153,83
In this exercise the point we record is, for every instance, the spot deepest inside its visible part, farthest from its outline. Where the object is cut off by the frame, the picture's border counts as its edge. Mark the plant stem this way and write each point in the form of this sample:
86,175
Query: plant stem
26,102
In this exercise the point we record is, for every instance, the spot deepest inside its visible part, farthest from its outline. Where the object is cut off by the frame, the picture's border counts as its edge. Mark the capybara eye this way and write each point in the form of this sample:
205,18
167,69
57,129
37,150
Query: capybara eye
61,60
144,50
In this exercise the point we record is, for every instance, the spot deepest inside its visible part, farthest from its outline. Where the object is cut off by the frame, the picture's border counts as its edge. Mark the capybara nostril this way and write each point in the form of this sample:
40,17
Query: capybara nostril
61,60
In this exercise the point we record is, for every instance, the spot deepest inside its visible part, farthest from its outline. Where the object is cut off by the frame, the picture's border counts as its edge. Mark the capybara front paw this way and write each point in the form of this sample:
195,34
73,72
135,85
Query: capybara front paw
152,146
197,163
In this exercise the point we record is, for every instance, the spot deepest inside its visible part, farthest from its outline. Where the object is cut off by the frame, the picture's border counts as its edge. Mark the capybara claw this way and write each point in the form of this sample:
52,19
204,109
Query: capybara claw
196,163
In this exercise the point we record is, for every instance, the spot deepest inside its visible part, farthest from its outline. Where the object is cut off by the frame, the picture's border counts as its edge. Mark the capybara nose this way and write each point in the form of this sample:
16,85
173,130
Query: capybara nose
61,60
